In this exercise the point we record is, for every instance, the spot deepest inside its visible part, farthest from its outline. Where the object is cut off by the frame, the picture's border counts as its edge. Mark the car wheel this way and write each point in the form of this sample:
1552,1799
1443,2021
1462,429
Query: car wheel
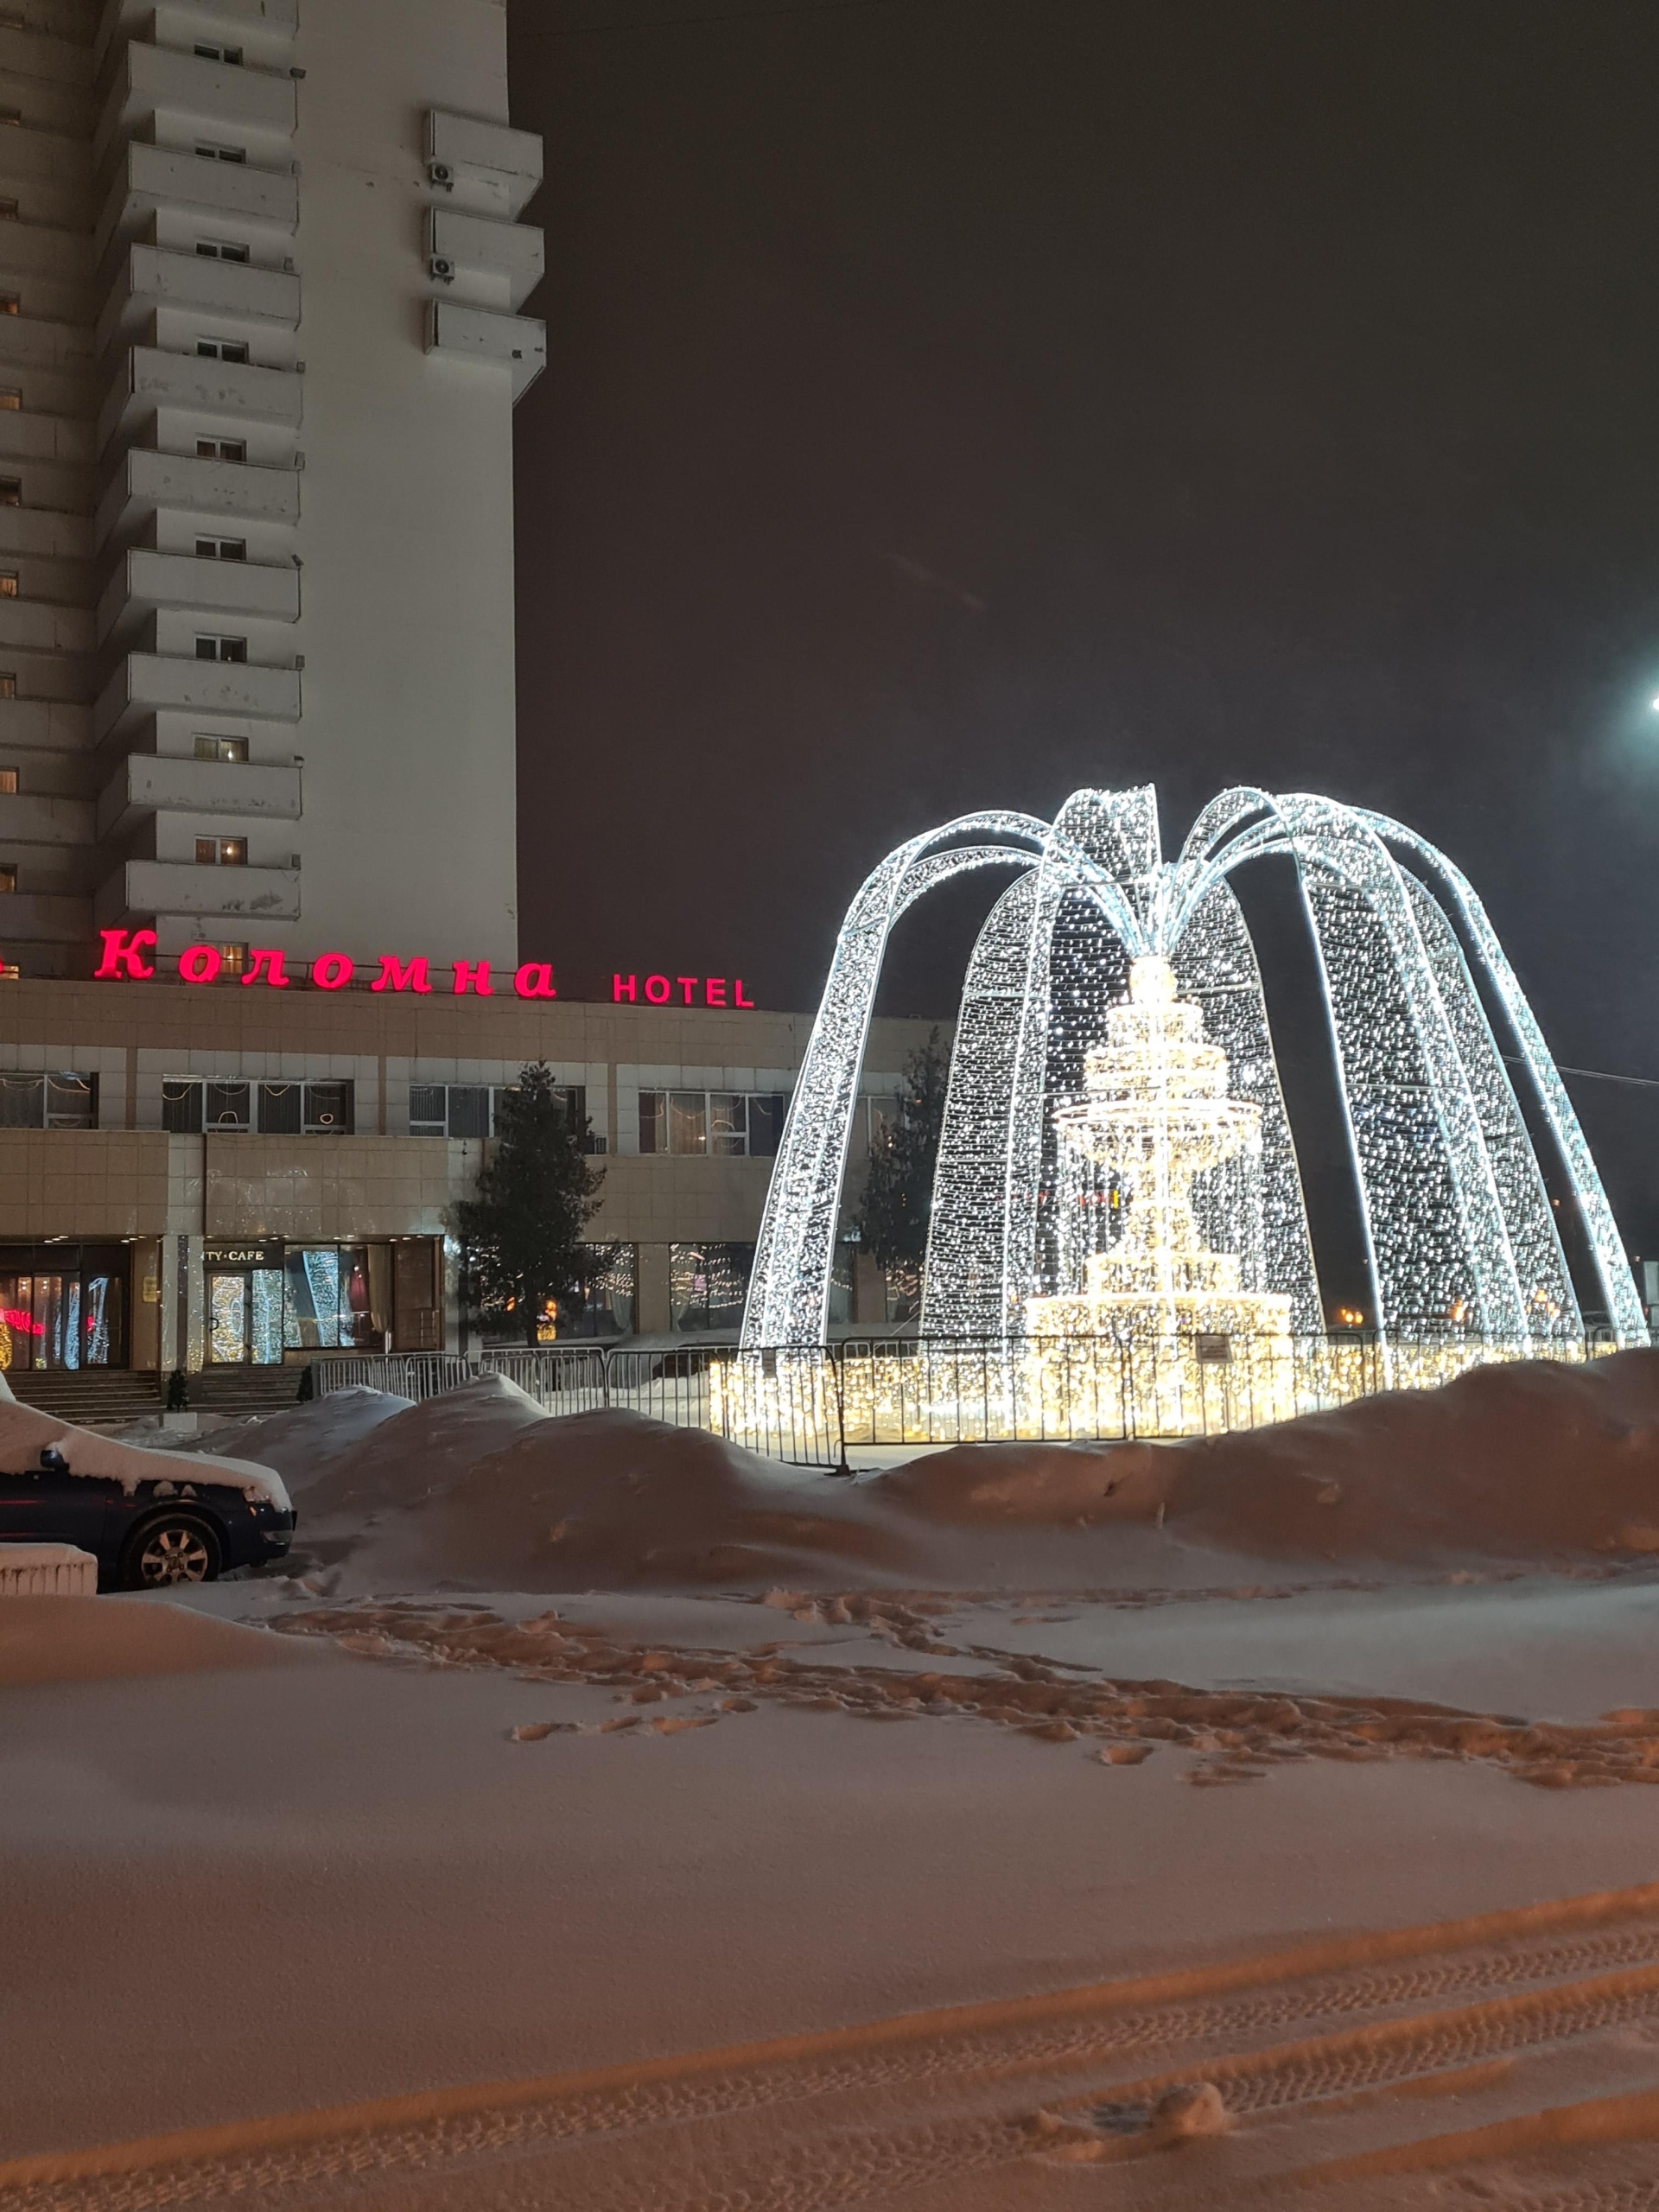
176,1548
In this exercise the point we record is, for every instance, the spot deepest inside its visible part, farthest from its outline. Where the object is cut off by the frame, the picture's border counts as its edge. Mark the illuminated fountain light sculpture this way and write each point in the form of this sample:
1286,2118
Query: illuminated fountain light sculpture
1155,1115
1099,942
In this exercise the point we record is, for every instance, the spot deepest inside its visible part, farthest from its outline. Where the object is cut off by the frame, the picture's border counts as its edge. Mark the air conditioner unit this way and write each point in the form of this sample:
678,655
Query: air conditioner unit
443,268
440,172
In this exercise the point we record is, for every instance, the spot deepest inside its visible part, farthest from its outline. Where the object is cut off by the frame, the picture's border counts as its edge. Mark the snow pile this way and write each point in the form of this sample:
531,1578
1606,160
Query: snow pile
303,1442
113,1639
481,1490
24,1431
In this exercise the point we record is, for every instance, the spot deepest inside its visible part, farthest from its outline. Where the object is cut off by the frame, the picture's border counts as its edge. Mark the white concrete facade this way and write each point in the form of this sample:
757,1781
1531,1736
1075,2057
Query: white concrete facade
261,270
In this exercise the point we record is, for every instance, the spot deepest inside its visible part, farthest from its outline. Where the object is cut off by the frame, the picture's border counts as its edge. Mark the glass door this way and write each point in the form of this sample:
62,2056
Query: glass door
244,1316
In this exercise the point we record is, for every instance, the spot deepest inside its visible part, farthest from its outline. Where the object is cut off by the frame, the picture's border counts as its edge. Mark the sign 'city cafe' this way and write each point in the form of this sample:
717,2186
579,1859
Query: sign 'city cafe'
125,961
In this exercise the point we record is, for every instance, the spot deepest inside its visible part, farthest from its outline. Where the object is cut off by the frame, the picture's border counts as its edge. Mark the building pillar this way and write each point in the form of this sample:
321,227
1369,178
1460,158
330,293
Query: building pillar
654,1316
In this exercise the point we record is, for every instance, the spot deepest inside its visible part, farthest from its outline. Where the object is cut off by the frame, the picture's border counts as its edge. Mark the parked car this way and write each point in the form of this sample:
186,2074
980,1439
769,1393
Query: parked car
163,1532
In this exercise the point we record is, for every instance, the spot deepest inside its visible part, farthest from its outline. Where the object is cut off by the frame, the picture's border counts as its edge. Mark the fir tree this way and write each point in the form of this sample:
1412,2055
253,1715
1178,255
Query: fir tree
898,1197
536,1193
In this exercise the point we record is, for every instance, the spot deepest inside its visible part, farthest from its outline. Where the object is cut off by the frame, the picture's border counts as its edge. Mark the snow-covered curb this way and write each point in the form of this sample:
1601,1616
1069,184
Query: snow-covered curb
24,1432
47,1571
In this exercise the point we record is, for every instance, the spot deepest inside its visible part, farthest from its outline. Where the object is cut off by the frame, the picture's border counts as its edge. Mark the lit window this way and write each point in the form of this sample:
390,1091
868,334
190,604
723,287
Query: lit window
8,583
220,250
8,683
11,397
11,303
222,349
13,115
221,449
10,974
234,649
221,548
733,1124
11,490
8,877
233,959
220,749
221,852
9,781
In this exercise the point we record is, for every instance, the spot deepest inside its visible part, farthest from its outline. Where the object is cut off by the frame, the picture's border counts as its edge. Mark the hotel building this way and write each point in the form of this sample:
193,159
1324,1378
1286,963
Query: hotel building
262,269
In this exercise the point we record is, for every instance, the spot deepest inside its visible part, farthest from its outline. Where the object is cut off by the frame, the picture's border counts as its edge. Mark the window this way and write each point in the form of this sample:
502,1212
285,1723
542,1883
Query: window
231,55
233,649
729,1123
220,749
54,1100
218,250
12,115
7,879
8,683
11,303
8,211
469,1109
193,1104
221,548
233,959
708,1285
221,449
9,581
222,349
609,1290
221,852
8,783
11,490
9,972
209,152
11,398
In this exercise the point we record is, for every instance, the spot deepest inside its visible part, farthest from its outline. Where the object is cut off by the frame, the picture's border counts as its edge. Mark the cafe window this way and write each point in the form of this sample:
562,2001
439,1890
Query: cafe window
608,1301
731,1124
55,1099
708,1285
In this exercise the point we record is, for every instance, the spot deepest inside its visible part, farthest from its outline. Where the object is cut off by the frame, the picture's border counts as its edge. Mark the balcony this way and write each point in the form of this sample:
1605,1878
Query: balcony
151,278
156,783
216,490
29,819
144,581
147,177
508,341
497,168
508,256
224,894
226,392
157,684
40,625
258,18
43,917
223,102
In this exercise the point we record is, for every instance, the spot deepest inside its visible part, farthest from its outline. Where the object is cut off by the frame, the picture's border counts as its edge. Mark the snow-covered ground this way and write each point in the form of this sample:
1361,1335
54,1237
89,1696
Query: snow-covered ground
582,1745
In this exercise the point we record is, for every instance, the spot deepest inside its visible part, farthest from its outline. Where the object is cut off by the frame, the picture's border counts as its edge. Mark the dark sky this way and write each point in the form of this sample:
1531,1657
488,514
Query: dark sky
952,402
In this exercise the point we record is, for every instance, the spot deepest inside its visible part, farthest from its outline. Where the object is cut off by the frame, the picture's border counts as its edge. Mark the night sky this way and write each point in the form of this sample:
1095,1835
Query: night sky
952,402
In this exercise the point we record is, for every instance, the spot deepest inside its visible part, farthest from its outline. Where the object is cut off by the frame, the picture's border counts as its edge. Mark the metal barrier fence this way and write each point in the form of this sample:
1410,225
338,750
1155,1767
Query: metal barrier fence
812,1405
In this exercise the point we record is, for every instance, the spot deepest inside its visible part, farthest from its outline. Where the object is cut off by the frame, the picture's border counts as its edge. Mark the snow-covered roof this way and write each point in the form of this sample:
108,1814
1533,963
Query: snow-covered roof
24,1431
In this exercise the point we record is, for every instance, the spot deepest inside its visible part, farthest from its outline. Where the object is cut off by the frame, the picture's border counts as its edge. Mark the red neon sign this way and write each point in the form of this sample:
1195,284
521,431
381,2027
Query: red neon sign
129,956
